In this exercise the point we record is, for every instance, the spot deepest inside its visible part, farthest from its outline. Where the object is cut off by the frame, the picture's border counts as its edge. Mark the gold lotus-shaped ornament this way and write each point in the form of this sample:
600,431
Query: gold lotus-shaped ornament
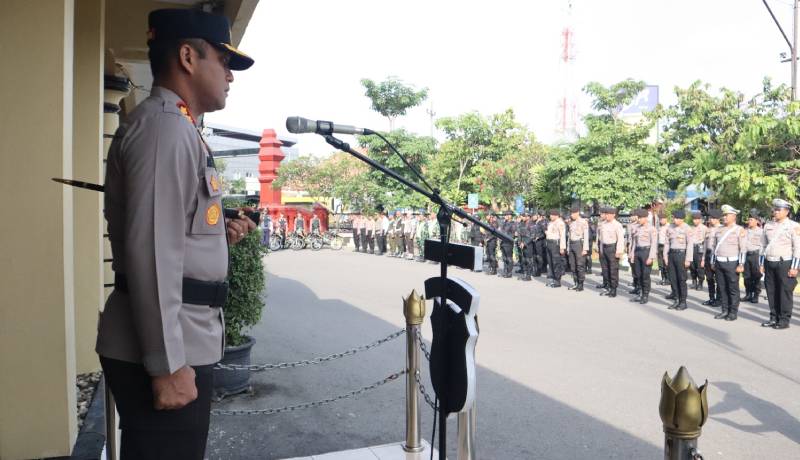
683,407
414,308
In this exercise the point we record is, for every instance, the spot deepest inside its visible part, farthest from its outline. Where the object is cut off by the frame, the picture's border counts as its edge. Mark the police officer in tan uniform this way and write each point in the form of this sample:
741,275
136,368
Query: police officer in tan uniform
729,248
643,252
752,273
162,327
611,241
780,262
579,245
678,252
699,233
556,235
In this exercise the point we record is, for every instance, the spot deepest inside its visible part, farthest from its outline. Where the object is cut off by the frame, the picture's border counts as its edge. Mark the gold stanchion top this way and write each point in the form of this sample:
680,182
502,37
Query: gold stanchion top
683,407
414,308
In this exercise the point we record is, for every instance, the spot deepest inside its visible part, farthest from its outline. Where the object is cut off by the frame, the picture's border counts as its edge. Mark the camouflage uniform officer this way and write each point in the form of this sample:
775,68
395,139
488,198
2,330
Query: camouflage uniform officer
507,248
579,245
611,240
678,250
315,225
490,243
355,222
410,230
420,235
714,295
556,236
752,274
699,233
643,252
728,257
780,262
162,329
400,234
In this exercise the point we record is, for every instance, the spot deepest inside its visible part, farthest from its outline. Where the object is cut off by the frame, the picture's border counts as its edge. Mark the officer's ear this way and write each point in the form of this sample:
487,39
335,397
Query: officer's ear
189,52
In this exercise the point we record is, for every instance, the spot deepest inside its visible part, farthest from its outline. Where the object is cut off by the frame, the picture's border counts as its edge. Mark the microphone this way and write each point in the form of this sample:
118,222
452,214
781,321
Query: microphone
300,125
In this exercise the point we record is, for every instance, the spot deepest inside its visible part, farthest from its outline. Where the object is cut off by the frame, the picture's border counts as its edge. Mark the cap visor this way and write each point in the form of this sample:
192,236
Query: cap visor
239,60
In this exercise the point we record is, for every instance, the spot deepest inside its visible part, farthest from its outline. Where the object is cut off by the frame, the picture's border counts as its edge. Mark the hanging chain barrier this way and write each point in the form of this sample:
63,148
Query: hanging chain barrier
424,392
422,346
308,362
695,454
322,402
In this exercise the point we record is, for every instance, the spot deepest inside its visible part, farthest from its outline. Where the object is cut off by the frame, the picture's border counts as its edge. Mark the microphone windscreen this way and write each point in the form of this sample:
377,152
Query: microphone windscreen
293,125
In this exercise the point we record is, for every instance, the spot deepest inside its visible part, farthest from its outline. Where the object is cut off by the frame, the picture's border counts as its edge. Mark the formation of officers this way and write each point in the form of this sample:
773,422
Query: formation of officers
715,252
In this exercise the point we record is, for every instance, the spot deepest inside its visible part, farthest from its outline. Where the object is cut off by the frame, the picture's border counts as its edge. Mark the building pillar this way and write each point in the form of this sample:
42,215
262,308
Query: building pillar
88,166
37,342
270,157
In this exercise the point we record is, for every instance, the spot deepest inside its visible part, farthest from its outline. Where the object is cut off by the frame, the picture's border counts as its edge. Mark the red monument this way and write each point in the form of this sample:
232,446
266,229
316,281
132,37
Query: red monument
270,156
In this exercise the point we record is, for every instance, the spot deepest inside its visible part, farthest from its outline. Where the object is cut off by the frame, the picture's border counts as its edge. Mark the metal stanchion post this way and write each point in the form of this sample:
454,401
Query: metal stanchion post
466,434
414,311
111,425
684,410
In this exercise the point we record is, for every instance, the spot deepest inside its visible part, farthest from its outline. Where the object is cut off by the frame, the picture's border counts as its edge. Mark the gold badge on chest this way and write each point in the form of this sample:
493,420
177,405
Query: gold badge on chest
212,214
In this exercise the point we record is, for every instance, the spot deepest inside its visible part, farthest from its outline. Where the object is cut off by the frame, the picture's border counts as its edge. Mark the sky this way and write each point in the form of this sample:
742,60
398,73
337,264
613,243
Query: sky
488,56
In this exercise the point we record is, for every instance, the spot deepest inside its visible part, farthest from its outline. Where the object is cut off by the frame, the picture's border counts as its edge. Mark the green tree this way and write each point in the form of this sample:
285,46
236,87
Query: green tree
745,153
613,163
417,150
392,98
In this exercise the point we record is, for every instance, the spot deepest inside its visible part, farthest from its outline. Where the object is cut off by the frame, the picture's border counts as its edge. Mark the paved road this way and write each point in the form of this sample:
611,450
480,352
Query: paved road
562,375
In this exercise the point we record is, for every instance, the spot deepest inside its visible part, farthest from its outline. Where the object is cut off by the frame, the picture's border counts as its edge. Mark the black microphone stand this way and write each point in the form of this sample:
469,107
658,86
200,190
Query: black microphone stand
444,218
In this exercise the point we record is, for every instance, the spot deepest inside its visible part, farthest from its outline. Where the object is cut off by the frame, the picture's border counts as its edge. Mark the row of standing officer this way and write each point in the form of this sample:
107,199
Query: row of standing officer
403,235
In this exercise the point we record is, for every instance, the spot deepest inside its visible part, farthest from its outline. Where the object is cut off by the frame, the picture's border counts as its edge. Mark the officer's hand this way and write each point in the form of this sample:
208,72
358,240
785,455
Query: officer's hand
761,269
239,228
586,253
793,273
648,262
618,255
702,264
686,264
562,252
739,268
175,390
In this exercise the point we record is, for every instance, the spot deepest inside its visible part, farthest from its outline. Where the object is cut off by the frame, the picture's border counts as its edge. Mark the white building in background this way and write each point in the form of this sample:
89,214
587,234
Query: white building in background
239,148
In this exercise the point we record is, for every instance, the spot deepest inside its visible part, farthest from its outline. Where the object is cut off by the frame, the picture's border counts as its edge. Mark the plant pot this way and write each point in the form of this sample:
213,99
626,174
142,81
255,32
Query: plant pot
228,382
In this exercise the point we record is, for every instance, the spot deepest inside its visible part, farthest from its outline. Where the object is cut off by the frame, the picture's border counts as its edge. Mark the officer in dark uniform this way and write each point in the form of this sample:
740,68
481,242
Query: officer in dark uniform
490,243
355,222
161,330
592,239
315,225
507,248
525,231
475,238
539,249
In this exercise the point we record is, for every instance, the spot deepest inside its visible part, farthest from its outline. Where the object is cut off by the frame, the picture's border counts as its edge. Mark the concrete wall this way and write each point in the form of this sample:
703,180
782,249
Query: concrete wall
37,344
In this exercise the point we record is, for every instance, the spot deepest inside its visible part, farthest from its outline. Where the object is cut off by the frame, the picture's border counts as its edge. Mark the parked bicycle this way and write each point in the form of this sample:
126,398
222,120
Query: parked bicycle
332,239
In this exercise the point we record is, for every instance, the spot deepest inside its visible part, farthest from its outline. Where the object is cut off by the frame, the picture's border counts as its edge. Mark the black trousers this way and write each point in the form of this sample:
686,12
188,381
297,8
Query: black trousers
150,434
401,244
713,286
610,265
507,252
527,258
752,273
410,244
577,261
555,262
698,273
356,240
363,238
370,242
677,273
641,270
662,262
539,257
491,255
780,289
728,282
380,243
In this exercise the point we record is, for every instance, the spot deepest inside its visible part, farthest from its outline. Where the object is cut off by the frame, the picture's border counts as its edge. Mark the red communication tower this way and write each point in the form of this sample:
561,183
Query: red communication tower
567,115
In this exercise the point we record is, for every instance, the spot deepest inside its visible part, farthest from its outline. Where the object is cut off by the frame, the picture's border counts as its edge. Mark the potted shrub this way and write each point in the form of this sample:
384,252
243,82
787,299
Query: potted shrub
242,310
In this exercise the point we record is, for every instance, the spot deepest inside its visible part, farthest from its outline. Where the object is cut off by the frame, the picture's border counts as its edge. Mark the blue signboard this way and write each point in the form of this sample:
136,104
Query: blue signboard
472,201
645,101
519,204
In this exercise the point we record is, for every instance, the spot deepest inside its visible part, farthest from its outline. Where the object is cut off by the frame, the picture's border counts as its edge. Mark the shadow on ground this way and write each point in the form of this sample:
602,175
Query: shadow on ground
514,421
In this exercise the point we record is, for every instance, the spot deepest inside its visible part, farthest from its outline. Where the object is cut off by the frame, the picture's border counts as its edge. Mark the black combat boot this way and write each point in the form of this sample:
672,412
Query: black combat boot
722,315
612,292
754,296
709,302
579,287
731,316
635,291
671,296
675,304
700,285
644,298
681,305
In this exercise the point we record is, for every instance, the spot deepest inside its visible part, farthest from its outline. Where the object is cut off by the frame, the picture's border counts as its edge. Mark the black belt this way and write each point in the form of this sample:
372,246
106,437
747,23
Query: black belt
195,292
751,253
575,241
677,250
642,248
609,244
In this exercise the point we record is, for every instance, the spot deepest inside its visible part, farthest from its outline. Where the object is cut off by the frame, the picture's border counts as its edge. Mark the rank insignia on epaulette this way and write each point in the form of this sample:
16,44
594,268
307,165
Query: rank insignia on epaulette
185,111
212,214
214,183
